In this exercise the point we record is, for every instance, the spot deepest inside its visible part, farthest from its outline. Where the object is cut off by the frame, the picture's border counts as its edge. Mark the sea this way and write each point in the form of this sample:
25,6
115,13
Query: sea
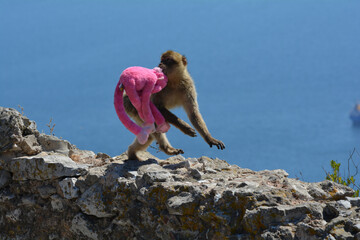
276,80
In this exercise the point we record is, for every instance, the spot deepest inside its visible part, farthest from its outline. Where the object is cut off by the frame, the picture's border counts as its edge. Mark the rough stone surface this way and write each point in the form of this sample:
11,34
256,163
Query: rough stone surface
54,144
5,177
68,188
41,167
66,193
16,130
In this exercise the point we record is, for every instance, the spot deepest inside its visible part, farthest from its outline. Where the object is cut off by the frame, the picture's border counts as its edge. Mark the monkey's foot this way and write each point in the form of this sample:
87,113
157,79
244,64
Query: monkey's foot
172,151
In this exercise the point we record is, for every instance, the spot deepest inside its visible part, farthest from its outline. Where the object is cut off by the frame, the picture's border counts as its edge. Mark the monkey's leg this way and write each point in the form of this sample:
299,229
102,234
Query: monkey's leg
137,147
165,145
177,122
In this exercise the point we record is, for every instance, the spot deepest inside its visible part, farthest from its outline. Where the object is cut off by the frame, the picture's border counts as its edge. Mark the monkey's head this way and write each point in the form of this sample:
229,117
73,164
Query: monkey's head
172,63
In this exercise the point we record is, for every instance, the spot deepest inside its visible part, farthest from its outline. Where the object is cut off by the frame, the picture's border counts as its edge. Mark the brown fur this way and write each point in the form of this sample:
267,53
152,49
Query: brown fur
179,92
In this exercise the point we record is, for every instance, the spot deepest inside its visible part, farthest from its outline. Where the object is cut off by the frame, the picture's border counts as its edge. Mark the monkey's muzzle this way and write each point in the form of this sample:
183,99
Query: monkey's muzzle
163,68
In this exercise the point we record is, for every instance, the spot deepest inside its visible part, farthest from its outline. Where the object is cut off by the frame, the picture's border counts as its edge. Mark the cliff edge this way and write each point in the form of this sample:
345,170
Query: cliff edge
49,189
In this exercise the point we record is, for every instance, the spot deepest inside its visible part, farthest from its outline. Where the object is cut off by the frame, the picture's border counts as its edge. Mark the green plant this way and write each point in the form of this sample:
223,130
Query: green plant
349,180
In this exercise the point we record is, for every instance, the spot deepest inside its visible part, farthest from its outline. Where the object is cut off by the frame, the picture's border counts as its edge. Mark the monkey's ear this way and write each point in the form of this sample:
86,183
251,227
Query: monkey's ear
184,60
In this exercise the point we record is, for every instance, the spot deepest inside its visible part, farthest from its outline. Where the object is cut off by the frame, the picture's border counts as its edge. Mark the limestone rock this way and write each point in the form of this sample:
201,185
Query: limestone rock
92,202
68,188
30,145
50,196
42,167
5,178
54,144
80,225
182,204
13,128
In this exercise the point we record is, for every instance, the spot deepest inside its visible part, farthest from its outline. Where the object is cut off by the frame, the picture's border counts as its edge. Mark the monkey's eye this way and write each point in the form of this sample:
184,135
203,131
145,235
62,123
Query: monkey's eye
168,61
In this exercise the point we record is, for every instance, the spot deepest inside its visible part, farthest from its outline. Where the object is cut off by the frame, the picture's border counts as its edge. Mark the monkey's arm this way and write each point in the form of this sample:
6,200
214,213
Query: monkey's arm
177,122
192,109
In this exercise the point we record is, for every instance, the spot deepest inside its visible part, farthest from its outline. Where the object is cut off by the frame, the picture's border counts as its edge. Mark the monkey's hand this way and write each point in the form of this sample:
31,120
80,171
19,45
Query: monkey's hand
188,131
219,144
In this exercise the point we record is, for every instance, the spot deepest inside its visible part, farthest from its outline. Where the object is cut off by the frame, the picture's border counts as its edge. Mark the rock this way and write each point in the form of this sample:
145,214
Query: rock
344,204
340,234
42,167
45,191
5,178
68,188
195,173
85,157
6,196
355,201
30,145
92,202
49,196
152,177
14,215
264,217
57,203
94,175
102,156
53,144
182,204
80,225
13,128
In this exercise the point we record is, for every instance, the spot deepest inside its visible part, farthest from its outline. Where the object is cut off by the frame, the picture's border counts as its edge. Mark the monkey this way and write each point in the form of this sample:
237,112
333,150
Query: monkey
179,92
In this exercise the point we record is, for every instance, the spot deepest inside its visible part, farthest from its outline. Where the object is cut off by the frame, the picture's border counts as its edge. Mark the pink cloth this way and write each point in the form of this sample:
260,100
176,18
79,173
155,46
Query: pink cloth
139,83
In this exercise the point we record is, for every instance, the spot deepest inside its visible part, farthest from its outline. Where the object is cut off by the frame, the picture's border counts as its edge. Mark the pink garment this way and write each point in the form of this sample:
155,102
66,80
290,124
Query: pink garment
139,83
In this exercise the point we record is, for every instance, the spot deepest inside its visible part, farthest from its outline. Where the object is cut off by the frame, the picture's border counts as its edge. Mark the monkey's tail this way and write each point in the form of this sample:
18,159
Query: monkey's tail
120,110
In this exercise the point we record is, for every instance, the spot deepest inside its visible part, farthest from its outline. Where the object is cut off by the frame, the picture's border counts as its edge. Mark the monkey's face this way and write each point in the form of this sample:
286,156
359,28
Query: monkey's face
172,63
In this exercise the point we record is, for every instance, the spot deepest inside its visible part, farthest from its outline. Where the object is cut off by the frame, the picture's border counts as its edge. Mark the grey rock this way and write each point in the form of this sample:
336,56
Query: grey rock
54,144
80,225
68,188
5,178
13,128
161,176
330,211
13,216
195,173
95,174
92,202
265,217
42,167
182,204
49,196
149,168
30,145
344,204
57,203
28,201
6,196
355,201
45,191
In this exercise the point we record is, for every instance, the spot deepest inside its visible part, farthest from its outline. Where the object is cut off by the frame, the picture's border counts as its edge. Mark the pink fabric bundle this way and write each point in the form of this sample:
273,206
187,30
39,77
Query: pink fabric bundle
139,83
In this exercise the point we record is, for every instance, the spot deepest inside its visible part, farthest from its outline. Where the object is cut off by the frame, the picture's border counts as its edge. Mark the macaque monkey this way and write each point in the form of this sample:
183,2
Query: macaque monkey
179,92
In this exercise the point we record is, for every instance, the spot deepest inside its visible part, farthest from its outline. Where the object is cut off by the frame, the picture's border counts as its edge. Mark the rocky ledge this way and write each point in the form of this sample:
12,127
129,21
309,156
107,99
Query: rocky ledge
49,189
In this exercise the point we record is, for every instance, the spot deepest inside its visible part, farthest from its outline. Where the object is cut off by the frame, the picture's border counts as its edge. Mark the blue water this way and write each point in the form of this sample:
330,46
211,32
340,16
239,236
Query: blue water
276,80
